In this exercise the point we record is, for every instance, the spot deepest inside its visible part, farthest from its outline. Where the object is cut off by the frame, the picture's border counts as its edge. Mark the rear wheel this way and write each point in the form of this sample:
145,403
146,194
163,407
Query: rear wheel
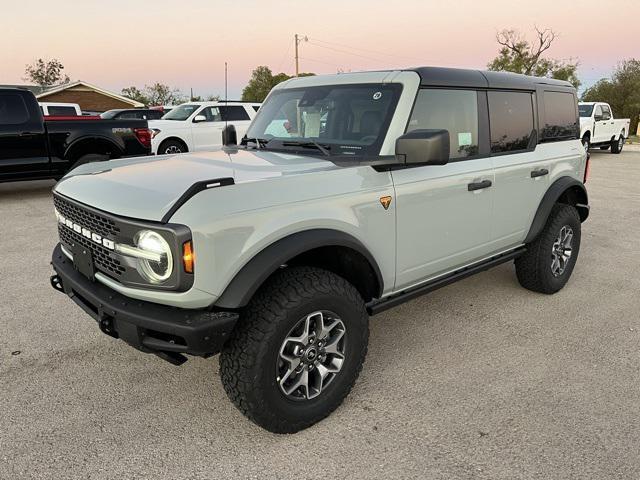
297,350
616,145
171,147
549,260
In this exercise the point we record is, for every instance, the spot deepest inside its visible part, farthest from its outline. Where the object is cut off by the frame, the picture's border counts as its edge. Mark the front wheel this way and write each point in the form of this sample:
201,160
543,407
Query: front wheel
586,143
297,350
549,260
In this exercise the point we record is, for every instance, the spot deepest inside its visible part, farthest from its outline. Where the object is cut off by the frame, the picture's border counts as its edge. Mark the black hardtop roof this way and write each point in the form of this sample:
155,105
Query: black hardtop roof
458,77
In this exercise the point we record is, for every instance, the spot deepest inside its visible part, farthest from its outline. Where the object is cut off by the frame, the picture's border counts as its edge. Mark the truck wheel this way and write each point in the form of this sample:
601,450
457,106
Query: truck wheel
171,147
297,350
586,142
549,260
616,145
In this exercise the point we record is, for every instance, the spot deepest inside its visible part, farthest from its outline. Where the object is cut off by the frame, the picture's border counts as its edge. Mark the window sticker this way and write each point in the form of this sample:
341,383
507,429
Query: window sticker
464,139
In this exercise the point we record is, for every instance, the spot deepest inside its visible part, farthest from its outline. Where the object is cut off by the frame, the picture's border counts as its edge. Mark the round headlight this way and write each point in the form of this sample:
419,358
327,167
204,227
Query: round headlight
158,270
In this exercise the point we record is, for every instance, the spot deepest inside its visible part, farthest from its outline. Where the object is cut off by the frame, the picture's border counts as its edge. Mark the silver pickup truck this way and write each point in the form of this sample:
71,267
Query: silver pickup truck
350,194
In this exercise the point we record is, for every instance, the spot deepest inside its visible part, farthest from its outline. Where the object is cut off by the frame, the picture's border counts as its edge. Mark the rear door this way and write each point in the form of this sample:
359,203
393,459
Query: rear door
237,116
23,140
443,212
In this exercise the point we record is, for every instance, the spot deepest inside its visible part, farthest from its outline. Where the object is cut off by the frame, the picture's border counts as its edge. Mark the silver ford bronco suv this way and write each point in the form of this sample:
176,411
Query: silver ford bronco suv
349,194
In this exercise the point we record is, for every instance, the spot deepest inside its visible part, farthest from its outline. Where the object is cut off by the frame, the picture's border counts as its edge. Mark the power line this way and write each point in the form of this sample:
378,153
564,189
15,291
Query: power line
366,50
345,51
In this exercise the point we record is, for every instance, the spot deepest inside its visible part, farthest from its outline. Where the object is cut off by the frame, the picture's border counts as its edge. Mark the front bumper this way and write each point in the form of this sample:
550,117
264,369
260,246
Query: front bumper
168,332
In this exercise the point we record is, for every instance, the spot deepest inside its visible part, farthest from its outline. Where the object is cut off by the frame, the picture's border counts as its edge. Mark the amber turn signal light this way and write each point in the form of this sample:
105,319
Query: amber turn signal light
188,256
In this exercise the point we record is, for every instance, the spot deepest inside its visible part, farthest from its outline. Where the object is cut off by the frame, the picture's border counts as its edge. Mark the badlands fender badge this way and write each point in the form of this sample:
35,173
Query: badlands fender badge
385,202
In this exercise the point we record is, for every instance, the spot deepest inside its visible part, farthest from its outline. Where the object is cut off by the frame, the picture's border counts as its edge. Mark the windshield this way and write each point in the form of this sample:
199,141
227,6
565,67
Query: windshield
181,113
341,119
585,110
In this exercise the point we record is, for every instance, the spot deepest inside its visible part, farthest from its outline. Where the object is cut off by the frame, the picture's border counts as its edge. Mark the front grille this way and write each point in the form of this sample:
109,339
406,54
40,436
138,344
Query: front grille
103,258
99,224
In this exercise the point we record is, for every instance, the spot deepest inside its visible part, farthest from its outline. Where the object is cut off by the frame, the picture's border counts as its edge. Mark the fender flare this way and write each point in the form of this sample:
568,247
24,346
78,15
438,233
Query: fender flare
568,185
93,138
254,273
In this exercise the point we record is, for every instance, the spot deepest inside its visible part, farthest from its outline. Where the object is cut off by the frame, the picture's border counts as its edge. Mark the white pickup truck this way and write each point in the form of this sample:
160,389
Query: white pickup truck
197,126
598,128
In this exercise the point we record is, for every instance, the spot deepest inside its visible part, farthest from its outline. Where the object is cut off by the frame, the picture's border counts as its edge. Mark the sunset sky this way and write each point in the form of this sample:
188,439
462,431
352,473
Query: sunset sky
117,43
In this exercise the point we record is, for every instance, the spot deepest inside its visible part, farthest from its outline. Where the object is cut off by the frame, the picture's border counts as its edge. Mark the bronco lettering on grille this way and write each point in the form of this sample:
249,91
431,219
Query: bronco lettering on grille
85,232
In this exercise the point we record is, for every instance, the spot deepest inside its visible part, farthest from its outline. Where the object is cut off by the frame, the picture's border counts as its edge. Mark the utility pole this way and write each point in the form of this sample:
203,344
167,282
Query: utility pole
299,39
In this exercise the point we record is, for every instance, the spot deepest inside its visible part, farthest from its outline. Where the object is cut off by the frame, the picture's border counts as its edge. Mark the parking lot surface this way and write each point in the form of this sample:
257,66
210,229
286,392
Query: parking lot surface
481,379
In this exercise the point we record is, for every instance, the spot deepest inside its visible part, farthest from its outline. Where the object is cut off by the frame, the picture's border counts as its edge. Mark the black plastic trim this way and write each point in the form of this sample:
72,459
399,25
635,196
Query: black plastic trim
194,190
147,326
550,198
252,275
379,306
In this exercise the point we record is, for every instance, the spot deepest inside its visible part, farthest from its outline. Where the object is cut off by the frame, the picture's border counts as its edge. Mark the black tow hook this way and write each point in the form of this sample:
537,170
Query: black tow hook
56,283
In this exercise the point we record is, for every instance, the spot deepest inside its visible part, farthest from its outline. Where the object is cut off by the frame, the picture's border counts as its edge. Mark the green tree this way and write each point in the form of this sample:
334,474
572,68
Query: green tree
134,93
262,81
521,56
46,73
621,91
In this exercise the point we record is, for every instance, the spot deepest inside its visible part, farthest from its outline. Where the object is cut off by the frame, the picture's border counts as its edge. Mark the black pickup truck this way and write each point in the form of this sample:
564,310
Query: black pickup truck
32,147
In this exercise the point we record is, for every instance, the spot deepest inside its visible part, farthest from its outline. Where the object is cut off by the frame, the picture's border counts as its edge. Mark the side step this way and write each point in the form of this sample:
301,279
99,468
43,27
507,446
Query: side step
378,306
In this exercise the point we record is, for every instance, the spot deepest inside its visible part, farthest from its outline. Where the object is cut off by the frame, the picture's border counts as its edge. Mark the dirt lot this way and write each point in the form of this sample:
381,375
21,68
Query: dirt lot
481,379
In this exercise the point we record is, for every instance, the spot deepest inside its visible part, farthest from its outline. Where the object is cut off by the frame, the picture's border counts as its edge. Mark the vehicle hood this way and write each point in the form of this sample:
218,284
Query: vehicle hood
160,124
146,188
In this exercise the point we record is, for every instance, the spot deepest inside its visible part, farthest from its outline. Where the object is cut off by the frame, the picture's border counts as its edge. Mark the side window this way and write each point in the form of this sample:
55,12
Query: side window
128,115
212,114
234,112
453,110
606,112
62,111
598,114
510,120
13,110
560,118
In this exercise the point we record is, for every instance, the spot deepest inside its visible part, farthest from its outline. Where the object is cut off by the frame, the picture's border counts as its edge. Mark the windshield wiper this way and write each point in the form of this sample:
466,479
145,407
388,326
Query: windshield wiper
309,144
259,142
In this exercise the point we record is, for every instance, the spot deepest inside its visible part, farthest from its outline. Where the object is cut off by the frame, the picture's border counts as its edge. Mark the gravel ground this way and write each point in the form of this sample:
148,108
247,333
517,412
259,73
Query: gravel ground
481,379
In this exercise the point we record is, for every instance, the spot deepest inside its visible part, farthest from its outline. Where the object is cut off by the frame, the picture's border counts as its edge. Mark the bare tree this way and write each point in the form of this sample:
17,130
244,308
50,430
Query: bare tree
530,53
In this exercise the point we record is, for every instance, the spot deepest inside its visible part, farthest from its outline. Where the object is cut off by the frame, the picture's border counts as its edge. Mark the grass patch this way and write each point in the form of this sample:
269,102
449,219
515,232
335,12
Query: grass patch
633,139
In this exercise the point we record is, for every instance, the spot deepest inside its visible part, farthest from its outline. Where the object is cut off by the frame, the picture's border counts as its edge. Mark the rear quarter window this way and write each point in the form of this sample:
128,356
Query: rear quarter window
13,110
234,112
62,111
560,117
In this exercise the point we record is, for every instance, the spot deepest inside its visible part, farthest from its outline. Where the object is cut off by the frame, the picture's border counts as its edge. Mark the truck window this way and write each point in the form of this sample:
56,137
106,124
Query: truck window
560,121
212,114
233,112
453,110
511,120
13,110
606,112
62,111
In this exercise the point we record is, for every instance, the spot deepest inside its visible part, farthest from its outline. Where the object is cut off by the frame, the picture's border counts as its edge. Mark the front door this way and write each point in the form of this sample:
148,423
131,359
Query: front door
601,129
444,212
23,141
207,134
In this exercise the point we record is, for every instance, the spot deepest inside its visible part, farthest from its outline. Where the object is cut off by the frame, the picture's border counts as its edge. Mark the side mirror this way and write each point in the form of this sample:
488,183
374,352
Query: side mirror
199,118
229,136
423,147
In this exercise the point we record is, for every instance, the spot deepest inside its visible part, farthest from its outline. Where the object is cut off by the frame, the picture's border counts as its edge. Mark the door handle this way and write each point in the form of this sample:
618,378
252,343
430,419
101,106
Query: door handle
479,185
539,173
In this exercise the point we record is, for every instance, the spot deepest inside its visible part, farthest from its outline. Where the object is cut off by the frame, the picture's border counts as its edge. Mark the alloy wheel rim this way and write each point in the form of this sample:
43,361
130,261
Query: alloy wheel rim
311,355
561,251
620,142
585,145
172,149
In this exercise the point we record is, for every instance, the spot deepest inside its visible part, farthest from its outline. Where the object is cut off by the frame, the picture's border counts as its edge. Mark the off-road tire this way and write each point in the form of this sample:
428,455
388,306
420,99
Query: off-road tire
248,360
176,145
617,144
533,268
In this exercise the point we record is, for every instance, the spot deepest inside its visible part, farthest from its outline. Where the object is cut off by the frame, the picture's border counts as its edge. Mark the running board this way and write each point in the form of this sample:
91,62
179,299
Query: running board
378,306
